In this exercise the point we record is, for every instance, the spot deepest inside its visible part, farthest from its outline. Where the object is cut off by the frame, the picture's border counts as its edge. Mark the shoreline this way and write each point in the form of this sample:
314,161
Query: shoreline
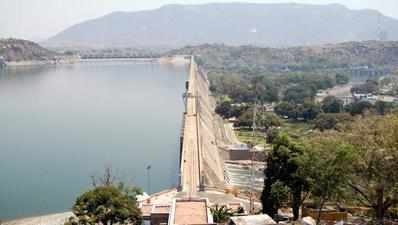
172,60
49,219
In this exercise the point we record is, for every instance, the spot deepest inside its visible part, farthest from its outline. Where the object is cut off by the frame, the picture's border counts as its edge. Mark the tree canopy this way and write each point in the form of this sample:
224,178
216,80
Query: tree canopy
106,205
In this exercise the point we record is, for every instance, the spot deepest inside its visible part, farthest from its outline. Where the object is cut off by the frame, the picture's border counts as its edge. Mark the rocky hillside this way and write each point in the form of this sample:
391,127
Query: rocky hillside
22,50
273,25
350,55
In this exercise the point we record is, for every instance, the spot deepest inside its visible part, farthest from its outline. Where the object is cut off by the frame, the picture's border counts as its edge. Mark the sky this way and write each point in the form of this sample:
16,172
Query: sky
41,19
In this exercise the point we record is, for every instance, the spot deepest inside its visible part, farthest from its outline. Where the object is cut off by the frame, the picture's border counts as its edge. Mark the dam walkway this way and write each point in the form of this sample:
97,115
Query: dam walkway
190,151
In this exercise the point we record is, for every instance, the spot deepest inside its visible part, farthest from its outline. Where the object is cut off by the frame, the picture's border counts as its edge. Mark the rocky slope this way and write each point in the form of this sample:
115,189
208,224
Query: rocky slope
15,50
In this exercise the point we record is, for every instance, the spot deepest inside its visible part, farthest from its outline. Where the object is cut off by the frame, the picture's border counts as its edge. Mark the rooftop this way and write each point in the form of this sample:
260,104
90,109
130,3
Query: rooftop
190,211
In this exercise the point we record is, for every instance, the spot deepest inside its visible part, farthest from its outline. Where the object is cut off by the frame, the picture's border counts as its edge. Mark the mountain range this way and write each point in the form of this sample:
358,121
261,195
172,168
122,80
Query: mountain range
272,25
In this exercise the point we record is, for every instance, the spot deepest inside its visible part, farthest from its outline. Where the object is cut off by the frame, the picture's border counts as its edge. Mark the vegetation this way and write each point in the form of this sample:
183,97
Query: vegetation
326,166
332,104
355,165
107,204
374,179
342,59
221,214
281,177
350,155
306,111
332,121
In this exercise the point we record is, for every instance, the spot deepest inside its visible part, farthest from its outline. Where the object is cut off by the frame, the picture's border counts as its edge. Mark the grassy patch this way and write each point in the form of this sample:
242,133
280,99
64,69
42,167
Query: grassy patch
297,129
246,136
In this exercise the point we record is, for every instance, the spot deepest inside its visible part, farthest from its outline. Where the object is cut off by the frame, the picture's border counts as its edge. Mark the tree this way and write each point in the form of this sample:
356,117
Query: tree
331,104
375,179
106,205
309,110
326,165
342,79
281,172
359,108
284,109
267,120
325,122
383,108
271,135
263,119
370,86
221,214
298,93
224,109
329,121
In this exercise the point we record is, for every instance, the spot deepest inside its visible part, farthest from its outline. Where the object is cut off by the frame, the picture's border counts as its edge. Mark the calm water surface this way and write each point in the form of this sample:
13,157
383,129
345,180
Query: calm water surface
61,125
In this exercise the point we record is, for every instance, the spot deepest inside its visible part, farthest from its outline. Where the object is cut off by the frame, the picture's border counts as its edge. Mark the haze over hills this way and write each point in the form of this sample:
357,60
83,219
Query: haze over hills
275,25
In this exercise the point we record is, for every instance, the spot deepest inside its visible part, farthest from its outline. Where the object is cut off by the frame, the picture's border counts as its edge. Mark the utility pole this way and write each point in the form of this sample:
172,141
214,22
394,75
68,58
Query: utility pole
251,180
148,174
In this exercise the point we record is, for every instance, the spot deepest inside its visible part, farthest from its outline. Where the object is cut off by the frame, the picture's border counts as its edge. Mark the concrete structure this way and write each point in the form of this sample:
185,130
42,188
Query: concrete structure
263,219
200,162
245,174
190,211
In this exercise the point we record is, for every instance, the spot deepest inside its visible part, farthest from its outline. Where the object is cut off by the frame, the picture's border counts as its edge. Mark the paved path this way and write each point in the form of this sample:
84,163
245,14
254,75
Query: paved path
190,165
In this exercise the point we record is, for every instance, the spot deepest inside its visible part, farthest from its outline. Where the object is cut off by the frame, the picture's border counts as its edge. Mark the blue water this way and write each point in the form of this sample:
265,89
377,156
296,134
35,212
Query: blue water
61,125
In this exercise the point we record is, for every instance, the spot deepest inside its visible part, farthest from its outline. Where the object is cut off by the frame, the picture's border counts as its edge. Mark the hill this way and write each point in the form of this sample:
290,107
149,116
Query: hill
273,25
15,50
362,57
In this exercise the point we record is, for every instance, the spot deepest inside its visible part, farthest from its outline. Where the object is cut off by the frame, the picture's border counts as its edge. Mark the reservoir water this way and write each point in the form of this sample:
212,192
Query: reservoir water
61,125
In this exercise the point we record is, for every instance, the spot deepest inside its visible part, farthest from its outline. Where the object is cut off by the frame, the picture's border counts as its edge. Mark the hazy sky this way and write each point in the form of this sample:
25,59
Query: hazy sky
39,19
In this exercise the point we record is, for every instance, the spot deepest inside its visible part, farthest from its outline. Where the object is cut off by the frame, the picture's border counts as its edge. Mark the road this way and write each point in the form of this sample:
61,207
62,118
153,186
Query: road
190,166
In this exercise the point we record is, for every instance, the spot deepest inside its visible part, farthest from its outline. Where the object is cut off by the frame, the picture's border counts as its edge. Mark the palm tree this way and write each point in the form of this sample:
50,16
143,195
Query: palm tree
221,214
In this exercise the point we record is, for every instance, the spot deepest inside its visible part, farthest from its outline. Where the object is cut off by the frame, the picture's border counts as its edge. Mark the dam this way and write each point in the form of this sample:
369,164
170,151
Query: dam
203,131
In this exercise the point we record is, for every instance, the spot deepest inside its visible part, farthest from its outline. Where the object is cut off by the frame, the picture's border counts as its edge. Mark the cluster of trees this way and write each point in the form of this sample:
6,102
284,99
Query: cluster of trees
295,88
306,111
244,114
356,166
106,204
243,88
331,111
369,87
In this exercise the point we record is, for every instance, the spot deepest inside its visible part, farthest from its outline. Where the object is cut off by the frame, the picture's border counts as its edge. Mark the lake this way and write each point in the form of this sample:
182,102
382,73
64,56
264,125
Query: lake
60,125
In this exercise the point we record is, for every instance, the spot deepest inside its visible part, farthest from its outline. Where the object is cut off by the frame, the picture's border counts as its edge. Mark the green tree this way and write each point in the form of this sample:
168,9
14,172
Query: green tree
342,79
263,119
224,109
309,110
285,109
331,104
106,205
325,122
221,214
281,169
328,121
359,108
267,120
383,108
326,165
375,179
298,94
